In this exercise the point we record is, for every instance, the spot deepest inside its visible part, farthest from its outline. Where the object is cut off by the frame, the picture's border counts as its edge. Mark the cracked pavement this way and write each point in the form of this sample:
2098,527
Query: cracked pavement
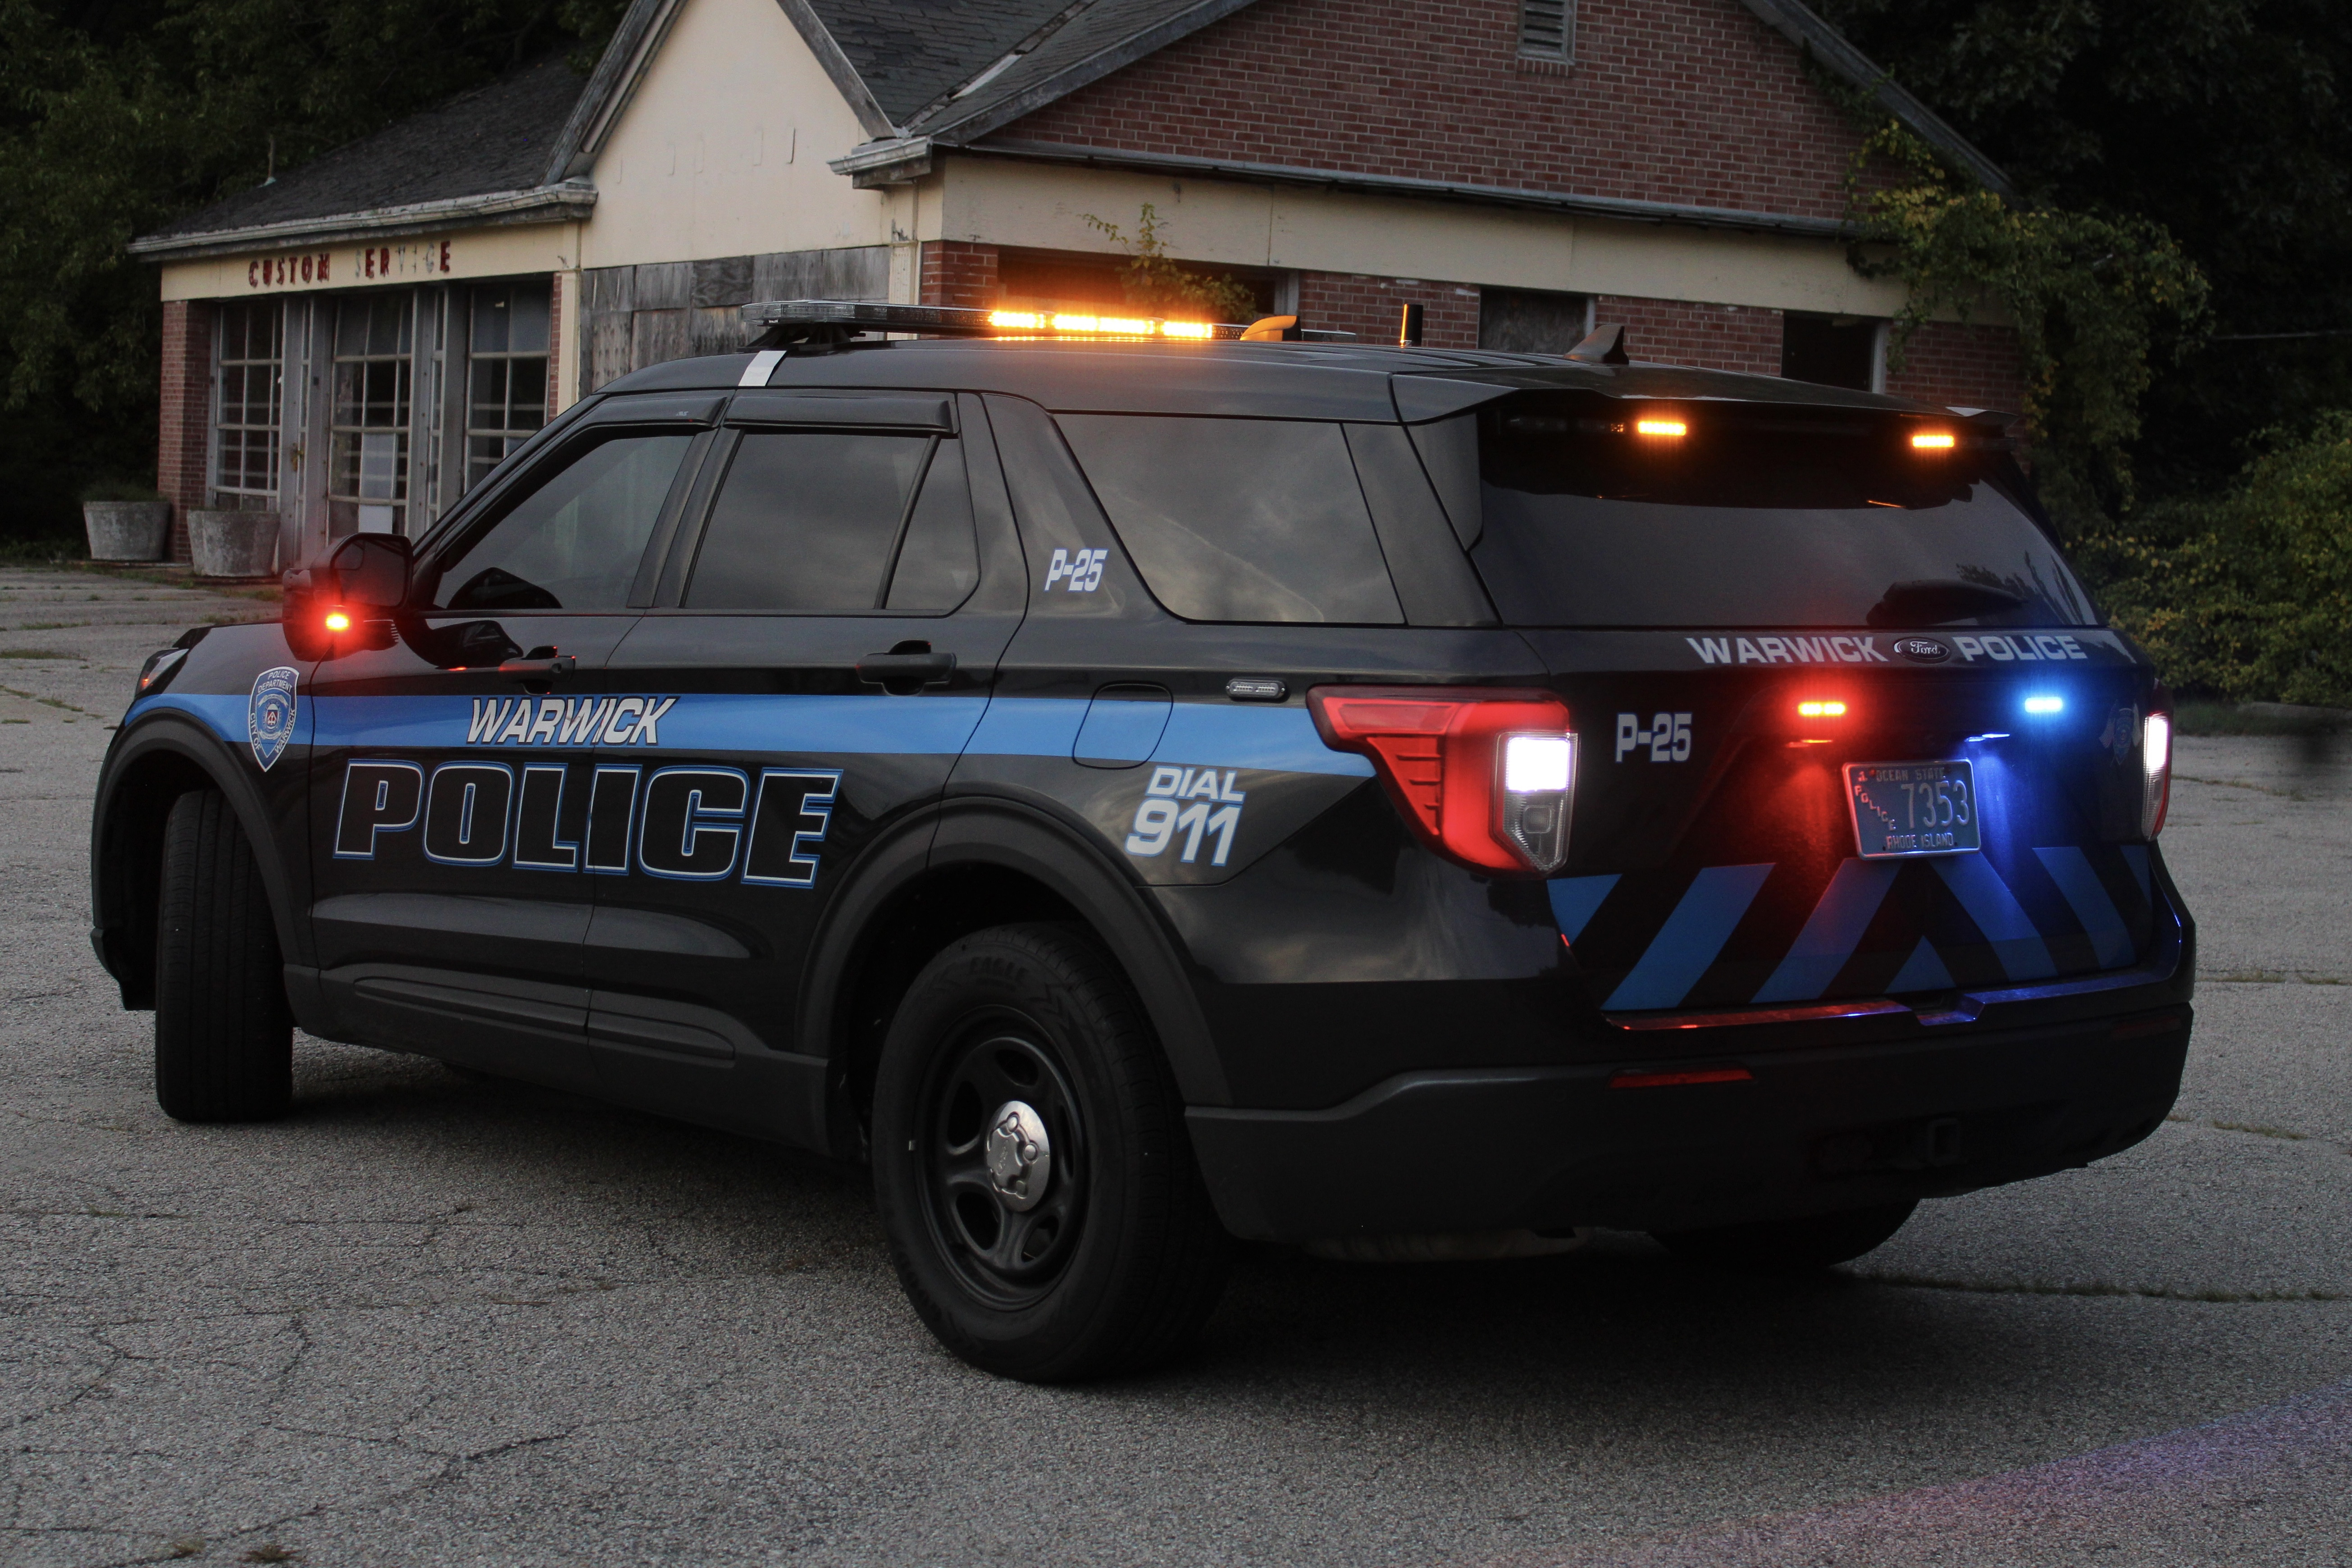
434,1320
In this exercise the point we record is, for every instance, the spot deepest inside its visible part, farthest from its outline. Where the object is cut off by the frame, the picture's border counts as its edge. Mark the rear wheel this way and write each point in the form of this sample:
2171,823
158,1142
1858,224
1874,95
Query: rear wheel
1789,1246
224,1037
1031,1164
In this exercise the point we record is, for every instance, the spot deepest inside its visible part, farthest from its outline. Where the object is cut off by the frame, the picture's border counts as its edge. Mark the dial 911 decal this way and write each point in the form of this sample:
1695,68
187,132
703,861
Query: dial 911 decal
1187,806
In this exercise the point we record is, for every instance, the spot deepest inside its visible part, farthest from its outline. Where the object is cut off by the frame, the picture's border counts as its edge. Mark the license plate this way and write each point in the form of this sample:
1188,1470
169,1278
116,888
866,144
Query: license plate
1913,808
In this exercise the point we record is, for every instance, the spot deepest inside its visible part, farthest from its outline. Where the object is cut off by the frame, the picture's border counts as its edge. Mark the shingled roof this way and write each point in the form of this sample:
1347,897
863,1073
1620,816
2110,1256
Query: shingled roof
488,148
919,73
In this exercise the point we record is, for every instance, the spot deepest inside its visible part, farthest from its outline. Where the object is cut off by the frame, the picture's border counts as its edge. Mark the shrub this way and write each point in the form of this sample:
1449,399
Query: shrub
2247,596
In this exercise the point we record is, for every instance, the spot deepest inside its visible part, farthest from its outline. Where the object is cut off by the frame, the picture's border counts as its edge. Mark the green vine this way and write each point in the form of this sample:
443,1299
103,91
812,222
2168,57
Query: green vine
1156,284
2096,300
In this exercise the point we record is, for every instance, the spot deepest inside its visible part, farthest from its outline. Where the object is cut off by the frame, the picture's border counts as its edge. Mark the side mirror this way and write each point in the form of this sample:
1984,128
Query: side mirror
371,571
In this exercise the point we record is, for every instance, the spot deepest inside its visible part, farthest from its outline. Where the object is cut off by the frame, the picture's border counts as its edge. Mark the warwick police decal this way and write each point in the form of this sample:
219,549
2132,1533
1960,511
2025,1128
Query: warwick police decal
269,715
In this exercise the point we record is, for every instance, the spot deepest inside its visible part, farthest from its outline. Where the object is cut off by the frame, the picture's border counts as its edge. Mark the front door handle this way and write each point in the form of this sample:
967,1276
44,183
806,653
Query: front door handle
904,673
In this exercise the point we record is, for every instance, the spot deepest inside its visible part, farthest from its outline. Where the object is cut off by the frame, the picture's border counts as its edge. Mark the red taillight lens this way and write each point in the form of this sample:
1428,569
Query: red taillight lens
2156,766
1483,775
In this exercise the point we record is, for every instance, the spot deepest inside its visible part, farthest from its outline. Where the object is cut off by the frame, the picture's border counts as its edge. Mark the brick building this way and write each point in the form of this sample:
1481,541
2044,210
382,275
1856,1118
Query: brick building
355,343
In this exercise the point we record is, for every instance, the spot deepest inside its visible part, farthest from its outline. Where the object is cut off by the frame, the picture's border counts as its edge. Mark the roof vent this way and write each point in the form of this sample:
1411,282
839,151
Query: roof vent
1602,346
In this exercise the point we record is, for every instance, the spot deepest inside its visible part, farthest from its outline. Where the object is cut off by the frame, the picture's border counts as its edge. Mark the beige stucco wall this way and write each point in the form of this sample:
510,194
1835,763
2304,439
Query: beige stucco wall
1004,202
722,150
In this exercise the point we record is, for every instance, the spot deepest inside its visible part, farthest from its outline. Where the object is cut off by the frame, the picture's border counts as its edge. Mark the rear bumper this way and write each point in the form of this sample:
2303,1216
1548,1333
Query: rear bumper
1812,1130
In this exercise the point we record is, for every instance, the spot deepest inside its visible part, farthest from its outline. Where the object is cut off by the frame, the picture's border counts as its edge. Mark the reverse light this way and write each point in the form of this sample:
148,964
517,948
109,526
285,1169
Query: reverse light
336,621
1825,708
1485,777
1933,441
1660,427
2045,704
2155,770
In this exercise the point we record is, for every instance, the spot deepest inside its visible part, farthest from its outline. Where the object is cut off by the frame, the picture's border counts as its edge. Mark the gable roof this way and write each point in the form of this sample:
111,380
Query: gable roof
482,155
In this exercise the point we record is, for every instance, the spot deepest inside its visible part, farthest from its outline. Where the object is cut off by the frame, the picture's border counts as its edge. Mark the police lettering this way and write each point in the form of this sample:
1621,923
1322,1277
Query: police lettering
703,823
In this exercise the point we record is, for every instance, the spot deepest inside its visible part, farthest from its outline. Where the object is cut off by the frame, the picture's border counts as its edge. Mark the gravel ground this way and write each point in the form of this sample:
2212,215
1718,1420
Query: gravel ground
427,1319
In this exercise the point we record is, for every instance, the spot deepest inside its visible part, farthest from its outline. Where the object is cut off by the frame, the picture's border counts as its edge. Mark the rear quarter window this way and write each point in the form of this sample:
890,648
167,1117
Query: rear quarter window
1239,519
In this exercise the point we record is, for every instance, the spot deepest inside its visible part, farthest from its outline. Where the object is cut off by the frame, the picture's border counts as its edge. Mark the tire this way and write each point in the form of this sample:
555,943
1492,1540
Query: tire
1789,1246
1113,1258
224,1035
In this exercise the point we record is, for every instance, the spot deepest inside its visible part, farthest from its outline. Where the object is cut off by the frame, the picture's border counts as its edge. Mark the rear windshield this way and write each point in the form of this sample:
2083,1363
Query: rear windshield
1755,516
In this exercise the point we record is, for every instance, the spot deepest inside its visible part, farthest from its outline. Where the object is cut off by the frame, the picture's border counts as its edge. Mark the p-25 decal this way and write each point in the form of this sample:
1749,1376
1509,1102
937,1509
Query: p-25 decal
688,823
567,721
1083,570
1195,802
1668,737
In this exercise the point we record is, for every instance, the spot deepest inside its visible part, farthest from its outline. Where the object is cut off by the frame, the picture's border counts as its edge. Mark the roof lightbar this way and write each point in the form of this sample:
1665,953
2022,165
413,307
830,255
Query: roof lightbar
779,322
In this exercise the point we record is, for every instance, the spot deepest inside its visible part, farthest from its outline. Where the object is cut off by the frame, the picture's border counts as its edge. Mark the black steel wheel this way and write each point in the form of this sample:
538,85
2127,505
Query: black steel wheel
1031,1164
1004,1183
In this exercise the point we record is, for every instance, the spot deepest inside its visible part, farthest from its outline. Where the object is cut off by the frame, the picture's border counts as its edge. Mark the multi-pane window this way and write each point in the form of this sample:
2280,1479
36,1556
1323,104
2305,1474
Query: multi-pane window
245,400
368,463
506,389
1547,30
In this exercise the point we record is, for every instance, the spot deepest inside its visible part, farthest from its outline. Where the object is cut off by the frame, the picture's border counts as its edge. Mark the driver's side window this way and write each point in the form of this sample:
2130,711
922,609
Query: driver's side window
575,542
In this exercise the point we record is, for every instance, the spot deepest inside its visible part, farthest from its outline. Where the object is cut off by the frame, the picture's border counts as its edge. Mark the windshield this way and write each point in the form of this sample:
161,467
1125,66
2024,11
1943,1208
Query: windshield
1603,513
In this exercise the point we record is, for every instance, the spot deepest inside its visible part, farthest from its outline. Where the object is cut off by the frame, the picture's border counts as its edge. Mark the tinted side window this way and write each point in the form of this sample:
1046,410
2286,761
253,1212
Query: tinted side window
1239,519
574,542
811,520
939,560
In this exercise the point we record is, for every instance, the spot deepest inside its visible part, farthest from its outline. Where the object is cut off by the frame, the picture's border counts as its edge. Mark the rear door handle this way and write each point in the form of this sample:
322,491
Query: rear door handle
905,672
538,666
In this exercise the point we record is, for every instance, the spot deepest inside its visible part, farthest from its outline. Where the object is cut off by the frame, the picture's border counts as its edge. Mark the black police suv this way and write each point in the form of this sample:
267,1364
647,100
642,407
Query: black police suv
1136,792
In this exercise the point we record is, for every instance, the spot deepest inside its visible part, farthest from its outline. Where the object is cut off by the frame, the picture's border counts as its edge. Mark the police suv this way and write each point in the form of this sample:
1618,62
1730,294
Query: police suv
1136,791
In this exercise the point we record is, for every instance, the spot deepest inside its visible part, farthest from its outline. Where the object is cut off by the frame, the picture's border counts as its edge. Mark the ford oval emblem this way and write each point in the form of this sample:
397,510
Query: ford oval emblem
1927,650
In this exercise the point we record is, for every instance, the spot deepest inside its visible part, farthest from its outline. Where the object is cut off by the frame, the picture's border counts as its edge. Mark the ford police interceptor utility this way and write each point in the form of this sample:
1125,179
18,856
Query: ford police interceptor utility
1135,792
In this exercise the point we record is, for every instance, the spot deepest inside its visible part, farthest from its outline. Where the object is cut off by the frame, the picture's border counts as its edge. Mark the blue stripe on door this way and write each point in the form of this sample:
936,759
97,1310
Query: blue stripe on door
2015,940
1831,932
1691,938
2087,896
1574,899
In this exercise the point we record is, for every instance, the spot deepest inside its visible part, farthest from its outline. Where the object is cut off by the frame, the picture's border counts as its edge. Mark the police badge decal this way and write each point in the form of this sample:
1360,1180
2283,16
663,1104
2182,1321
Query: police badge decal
269,716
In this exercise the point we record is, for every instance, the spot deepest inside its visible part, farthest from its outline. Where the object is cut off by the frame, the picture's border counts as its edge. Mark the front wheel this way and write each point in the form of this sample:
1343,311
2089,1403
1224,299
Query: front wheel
1031,1164
224,1035
1790,1246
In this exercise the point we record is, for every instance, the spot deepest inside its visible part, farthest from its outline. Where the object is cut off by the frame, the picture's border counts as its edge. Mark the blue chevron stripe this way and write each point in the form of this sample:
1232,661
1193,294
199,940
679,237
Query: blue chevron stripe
1691,938
2087,896
1574,900
2016,940
1831,932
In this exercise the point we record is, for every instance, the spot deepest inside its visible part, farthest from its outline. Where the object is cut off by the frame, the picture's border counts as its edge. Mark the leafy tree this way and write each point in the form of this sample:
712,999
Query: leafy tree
117,115
2098,302
2223,121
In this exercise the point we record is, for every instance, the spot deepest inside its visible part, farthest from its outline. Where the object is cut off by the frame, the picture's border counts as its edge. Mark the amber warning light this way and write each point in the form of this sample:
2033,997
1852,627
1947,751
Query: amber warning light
1666,427
1933,441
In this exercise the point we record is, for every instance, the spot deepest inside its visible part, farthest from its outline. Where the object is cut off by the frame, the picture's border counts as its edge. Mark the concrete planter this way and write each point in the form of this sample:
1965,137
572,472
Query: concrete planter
234,543
128,529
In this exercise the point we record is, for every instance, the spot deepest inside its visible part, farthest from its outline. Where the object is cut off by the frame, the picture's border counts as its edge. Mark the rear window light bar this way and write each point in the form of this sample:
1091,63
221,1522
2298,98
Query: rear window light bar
778,322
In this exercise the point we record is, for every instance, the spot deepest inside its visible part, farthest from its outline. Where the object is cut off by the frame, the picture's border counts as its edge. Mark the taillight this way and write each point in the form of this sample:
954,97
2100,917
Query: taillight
1483,776
2156,766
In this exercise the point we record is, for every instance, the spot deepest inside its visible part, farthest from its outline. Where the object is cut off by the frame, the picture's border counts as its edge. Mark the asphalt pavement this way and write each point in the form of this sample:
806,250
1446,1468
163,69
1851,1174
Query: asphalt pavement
427,1319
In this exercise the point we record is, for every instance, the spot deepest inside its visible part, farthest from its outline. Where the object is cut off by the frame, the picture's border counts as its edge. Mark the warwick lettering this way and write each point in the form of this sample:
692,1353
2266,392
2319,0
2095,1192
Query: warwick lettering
568,720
